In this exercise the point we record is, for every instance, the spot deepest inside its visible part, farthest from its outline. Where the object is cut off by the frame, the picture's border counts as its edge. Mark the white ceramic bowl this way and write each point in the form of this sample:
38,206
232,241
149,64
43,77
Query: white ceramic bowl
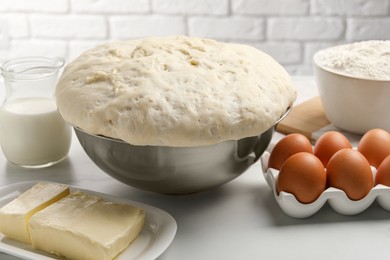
353,104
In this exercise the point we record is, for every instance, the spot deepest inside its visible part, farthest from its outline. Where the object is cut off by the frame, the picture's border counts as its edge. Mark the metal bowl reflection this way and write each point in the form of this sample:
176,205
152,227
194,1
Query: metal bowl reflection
174,170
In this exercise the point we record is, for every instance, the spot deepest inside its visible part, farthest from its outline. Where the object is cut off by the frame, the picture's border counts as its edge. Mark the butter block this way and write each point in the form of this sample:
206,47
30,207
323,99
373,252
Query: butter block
82,226
15,216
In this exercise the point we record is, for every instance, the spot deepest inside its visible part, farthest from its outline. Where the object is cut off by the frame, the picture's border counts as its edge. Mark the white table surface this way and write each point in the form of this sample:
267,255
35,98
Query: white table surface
239,220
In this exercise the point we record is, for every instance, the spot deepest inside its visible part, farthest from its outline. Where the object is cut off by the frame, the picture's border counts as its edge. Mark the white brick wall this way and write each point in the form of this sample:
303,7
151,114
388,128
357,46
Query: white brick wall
28,6
133,26
110,6
191,7
289,30
350,7
68,27
227,28
305,28
270,7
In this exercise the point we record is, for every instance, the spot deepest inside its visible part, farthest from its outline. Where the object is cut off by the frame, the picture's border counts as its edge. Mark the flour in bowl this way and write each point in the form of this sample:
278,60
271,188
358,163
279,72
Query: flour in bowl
367,59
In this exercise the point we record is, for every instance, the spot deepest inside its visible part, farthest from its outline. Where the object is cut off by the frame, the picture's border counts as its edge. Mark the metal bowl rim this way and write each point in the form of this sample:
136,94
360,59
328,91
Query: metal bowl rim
227,141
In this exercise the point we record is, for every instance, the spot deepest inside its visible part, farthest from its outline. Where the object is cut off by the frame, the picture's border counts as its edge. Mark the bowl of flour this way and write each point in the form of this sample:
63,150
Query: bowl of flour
354,84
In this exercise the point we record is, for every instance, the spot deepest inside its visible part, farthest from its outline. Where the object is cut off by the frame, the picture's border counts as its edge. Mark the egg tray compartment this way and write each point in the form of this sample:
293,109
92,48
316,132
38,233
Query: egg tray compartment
336,198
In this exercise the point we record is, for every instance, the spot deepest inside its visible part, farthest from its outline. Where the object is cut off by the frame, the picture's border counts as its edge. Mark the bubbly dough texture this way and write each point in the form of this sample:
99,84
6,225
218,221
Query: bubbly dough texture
174,91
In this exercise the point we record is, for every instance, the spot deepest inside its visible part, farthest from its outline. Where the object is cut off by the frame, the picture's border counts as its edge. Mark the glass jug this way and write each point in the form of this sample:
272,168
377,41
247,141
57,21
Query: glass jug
32,132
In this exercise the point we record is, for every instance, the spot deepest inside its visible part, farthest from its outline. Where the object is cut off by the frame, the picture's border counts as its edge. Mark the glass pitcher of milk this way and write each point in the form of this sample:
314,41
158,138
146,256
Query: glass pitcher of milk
32,132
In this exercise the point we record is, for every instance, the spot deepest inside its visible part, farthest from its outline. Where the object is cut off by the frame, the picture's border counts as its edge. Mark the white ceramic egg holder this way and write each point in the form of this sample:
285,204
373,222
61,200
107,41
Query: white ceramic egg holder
336,198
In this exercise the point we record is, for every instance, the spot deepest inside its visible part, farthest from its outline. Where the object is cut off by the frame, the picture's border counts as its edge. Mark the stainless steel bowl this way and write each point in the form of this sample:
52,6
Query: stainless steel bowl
174,170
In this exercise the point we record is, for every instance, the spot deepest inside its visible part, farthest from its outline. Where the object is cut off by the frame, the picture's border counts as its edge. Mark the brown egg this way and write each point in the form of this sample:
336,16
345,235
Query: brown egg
375,146
287,146
302,175
350,171
383,172
328,144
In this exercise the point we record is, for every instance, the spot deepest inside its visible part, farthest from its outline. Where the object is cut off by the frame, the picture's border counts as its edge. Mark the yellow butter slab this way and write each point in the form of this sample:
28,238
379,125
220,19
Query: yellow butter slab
83,226
15,216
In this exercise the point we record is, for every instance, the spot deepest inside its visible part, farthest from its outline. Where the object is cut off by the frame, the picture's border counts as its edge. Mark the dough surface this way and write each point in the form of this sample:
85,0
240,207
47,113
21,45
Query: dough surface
174,91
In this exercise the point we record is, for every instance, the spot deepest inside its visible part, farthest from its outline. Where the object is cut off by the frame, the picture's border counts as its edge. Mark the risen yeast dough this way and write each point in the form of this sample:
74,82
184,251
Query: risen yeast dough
174,91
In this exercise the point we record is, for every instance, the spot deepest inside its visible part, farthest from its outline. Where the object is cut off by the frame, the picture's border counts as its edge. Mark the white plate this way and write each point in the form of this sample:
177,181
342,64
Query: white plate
154,239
